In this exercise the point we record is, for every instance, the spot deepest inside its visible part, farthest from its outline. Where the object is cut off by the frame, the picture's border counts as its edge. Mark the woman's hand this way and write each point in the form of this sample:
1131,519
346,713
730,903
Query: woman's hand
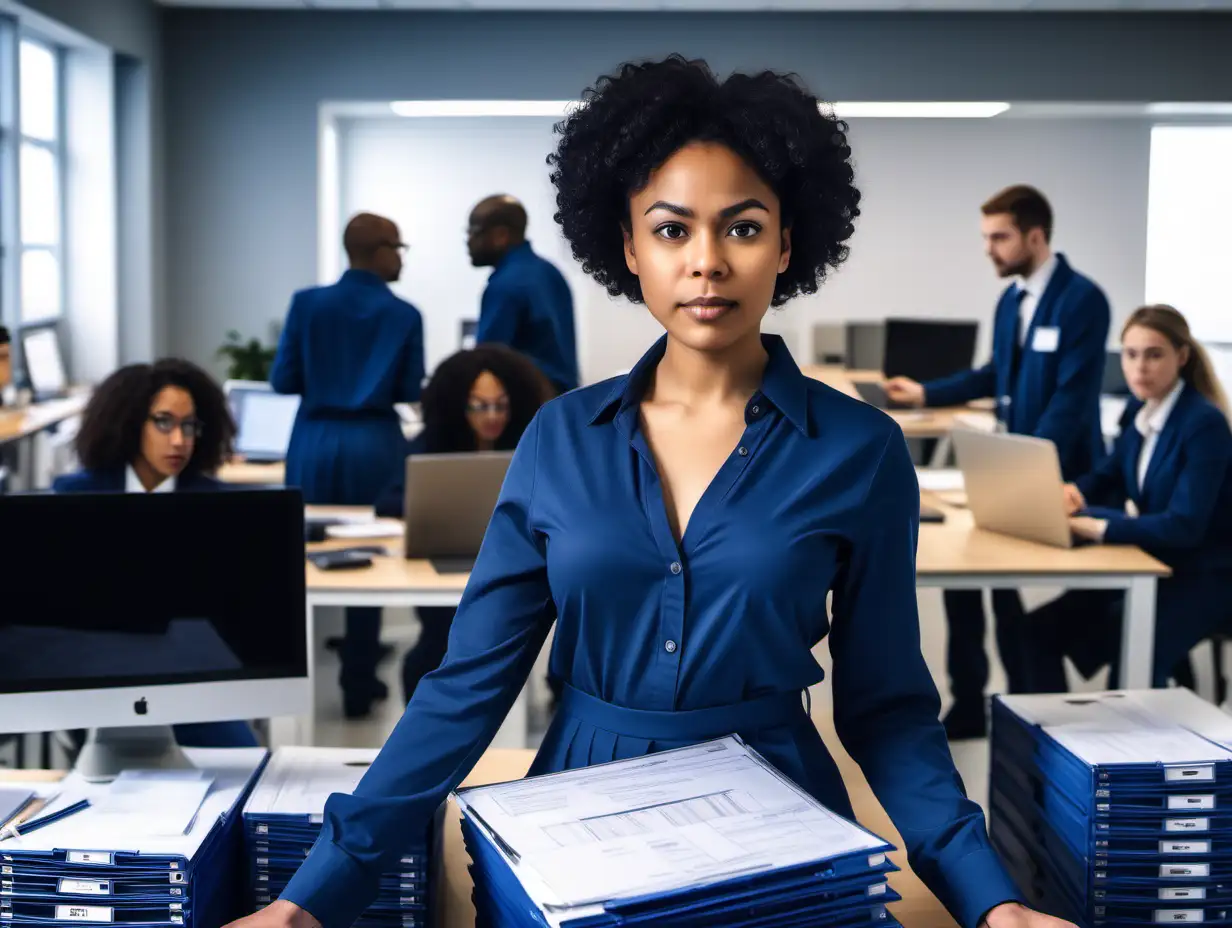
1074,500
1014,915
1088,528
279,914
904,390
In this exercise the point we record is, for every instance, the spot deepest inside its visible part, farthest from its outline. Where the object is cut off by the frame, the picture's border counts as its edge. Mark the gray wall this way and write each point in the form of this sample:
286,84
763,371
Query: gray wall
243,88
132,29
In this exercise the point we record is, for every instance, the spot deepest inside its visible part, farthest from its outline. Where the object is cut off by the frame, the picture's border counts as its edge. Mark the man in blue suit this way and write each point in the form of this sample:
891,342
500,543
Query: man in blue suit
527,304
1050,336
352,350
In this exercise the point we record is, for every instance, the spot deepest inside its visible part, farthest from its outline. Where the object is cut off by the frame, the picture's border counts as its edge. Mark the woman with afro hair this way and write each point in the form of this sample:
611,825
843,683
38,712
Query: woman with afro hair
683,525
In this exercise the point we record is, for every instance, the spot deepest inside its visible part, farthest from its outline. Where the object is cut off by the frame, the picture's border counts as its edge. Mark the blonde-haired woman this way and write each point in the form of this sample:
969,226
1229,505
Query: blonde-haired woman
1166,487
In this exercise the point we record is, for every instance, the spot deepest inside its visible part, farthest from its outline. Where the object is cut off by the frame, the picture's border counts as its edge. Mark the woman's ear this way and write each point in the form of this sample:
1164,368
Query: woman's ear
1183,356
785,251
630,254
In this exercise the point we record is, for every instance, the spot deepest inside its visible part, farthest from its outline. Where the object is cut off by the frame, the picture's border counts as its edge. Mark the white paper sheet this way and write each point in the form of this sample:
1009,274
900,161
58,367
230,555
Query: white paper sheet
152,802
940,479
658,823
381,528
298,780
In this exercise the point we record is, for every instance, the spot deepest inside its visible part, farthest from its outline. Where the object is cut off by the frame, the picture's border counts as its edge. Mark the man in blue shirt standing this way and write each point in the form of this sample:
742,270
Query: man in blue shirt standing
527,304
352,350
1050,336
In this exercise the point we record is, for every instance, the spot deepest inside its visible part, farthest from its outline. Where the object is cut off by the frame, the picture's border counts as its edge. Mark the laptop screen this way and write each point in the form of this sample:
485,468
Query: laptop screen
265,423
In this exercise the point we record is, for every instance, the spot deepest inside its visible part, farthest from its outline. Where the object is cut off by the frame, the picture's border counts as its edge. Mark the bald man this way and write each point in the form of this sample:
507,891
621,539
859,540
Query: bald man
527,304
352,350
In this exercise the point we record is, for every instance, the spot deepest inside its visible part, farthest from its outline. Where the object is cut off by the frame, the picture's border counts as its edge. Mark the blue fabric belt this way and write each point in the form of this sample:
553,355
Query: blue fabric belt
773,711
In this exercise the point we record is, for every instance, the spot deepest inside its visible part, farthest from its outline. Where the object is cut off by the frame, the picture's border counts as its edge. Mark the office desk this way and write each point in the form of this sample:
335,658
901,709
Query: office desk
20,426
956,555
249,474
918,909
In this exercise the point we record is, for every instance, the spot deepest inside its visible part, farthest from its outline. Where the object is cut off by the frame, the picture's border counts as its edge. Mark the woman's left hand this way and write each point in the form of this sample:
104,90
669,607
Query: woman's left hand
1087,527
1014,915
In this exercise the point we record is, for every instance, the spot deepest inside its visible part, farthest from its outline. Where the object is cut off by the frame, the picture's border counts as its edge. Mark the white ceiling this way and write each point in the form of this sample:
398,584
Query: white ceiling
1003,6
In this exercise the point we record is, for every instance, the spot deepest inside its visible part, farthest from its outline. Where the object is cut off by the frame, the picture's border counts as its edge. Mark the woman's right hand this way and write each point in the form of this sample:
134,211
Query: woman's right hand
278,914
1074,500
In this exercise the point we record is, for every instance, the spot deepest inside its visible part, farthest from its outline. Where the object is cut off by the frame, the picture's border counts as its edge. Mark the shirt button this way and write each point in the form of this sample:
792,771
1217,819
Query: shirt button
675,567
669,646
743,451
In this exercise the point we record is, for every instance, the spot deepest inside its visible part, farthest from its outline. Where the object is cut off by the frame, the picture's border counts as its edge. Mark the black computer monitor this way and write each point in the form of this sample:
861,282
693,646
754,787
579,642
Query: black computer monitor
1114,376
926,349
143,610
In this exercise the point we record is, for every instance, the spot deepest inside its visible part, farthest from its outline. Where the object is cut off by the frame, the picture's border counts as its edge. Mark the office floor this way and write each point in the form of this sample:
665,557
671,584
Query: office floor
400,630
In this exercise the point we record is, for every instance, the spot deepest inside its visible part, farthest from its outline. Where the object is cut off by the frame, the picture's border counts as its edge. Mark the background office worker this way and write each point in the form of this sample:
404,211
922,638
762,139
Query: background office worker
684,525
352,350
1166,487
158,428
527,304
1049,344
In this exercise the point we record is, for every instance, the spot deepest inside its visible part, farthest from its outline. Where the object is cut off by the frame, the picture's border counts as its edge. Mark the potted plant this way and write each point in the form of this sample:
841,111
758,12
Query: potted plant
246,360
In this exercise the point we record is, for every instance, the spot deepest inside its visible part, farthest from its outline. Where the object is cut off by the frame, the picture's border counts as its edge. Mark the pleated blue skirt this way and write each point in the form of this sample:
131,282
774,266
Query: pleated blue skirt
345,462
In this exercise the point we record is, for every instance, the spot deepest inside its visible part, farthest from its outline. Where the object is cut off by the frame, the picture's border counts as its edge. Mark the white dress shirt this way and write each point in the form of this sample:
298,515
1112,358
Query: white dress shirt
1150,421
1035,285
133,484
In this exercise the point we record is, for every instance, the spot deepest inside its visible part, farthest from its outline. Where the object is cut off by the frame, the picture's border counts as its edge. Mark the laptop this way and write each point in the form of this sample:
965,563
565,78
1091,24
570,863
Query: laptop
1013,485
264,421
449,501
924,350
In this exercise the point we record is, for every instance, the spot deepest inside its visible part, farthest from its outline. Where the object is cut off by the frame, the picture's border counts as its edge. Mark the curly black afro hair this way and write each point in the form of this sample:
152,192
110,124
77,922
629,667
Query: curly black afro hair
631,122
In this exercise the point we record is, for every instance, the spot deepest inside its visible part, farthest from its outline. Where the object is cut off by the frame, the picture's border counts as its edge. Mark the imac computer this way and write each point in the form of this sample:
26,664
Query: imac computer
129,613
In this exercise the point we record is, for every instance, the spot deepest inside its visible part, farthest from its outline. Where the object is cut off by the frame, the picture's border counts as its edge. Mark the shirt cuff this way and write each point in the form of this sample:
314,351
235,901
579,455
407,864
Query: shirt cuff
1101,528
978,884
331,886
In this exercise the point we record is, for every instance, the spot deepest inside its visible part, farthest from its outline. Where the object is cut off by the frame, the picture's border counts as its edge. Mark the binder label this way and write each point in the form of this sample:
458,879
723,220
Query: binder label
1202,773
876,860
878,889
1187,824
1186,893
1184,847
1203,803
96,858
84,913
1171,870
85,887
1178,915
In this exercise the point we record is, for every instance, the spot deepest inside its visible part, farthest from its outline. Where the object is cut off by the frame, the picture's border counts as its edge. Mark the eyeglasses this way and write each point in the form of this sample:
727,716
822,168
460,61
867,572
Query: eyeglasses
400,247
166,423
499,407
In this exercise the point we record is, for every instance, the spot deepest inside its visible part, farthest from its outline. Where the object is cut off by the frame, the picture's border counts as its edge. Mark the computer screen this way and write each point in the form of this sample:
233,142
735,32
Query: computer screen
1114,383
926,349
43,361
160,608
264,422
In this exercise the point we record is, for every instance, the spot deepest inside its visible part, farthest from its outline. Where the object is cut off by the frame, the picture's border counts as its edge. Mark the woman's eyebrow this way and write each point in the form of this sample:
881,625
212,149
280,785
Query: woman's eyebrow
726,213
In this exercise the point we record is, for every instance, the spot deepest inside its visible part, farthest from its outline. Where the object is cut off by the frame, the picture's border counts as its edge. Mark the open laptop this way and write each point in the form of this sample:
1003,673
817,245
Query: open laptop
450,499
1013,485
924,350
264,421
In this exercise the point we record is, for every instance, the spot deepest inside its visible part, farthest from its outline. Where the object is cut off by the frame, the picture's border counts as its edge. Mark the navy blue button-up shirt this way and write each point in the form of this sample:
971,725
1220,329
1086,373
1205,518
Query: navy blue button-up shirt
527,305
818,497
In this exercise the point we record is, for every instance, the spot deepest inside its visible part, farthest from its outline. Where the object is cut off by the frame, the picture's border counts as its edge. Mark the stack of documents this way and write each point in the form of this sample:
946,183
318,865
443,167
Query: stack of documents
700,836
163,848
283,819
1115,808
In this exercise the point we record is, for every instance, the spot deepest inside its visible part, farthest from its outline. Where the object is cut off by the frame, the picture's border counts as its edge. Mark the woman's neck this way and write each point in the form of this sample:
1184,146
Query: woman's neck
482,444
149,477
691,377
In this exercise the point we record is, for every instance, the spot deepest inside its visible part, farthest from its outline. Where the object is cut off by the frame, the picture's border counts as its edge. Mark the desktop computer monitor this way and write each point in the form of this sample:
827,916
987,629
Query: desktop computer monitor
264,421
865,346
43,360
927,349
128,613
1114,383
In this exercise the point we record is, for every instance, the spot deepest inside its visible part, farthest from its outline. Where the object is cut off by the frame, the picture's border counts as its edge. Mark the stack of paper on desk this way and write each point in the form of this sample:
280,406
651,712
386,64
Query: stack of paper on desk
283,818
1115,808
173,860
704,836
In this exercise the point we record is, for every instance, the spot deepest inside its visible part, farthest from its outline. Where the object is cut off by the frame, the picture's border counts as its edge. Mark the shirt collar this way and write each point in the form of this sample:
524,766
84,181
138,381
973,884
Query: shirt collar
133,484
1153,415
367,278
1037,283
783,384
512,254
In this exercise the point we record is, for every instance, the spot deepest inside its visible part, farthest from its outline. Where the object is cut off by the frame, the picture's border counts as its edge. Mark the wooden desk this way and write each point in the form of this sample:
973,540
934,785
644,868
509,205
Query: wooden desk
919,908
26,422
915,423
244,472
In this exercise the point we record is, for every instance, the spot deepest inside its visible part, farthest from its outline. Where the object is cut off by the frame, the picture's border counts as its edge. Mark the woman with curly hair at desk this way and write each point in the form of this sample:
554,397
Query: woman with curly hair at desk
684,525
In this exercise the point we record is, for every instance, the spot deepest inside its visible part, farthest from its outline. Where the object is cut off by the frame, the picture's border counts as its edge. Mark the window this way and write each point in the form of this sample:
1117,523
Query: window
1189,236
41,181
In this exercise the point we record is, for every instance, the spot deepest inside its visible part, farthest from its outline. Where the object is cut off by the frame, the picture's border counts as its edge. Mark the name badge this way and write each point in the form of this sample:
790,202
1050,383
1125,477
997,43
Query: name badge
1046,339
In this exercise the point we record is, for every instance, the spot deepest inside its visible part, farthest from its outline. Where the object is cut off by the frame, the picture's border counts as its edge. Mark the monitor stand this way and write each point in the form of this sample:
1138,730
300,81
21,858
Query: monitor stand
109,751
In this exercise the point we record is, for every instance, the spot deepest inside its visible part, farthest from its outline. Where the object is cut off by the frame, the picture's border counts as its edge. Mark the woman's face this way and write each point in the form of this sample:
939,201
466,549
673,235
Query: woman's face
170,432
1151,362
487,408
707,245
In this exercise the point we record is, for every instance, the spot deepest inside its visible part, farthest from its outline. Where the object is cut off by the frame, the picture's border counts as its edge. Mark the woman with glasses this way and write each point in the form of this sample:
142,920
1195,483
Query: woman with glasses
477,400
158,428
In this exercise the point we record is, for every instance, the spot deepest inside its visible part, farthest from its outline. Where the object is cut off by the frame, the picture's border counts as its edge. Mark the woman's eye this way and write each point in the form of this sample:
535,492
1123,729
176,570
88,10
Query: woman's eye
672,231
745,229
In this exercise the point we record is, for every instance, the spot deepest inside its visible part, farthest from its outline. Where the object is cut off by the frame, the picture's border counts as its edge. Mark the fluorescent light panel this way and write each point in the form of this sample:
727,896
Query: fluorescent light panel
558,108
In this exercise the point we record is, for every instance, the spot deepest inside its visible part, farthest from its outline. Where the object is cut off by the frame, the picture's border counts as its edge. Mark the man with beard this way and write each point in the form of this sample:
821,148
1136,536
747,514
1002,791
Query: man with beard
1050,335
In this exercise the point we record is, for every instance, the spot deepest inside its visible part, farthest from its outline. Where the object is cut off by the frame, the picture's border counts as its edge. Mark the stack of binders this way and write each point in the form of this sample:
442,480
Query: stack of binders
283,819
1115,809
709,835
108,866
